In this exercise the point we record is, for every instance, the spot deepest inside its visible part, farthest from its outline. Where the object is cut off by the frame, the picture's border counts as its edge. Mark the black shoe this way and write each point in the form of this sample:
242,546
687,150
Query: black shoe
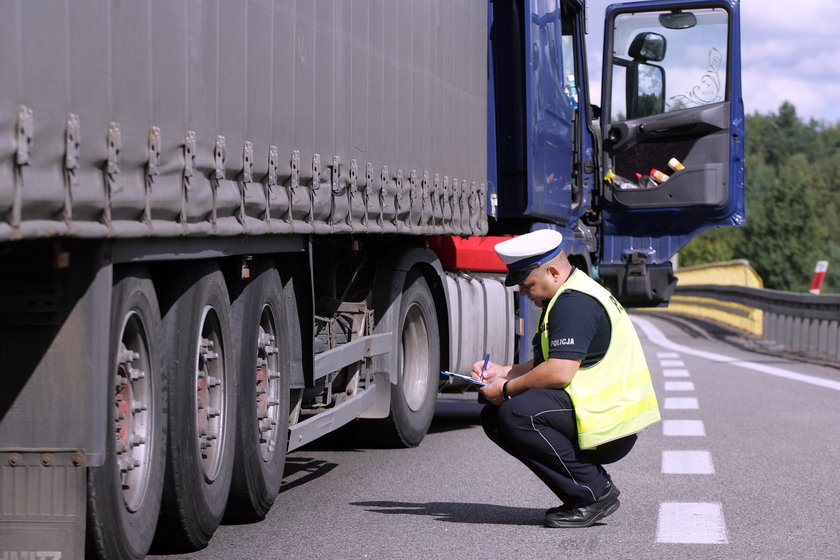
586,515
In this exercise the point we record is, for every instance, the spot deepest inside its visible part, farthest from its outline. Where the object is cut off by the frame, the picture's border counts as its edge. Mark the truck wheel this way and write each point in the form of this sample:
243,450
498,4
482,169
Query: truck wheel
418,363
202,414
124,493
263,410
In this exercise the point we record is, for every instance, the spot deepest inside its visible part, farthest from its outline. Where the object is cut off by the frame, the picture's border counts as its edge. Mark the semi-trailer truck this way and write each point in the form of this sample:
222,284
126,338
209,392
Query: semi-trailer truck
230,227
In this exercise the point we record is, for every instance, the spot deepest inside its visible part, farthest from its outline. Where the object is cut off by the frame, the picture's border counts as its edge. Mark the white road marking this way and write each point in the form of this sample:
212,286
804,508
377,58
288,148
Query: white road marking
686,522
679,386
683,428
681,403
657,337
695,523
687,462
672,363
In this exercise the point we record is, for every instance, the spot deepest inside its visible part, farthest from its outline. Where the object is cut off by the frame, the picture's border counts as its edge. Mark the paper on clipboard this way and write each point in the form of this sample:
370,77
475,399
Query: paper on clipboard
463,377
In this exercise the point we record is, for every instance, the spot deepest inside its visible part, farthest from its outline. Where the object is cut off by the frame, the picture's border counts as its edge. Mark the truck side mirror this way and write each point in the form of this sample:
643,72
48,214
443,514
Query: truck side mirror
644,82
646,90
647,47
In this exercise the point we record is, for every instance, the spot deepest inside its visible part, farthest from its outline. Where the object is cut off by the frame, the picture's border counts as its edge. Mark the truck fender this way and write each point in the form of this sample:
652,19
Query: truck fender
387,299
297,291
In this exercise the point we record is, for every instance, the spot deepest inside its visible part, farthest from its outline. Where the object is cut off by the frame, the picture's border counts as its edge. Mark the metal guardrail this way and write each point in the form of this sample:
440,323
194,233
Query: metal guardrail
802,323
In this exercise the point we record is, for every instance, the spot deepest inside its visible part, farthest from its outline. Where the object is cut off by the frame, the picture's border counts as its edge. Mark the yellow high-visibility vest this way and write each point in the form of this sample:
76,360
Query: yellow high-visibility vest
613,398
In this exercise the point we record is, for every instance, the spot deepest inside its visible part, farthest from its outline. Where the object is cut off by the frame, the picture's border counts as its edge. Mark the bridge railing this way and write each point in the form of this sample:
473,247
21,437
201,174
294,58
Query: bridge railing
732,293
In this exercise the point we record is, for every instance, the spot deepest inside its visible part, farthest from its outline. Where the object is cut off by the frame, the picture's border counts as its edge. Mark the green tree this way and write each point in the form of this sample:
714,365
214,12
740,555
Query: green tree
714,245
786,238
777,137
793,204
649,104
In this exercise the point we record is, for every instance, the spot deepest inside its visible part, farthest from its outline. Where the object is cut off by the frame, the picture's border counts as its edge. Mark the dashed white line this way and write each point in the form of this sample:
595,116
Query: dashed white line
672,363
679,386
687,462
681,403
692,523
683,428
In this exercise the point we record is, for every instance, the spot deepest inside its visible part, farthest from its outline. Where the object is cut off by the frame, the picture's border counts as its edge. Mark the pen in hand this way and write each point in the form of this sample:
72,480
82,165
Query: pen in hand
484,367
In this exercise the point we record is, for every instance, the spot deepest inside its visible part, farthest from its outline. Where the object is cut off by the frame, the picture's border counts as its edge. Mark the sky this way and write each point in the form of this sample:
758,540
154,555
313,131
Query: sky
790,51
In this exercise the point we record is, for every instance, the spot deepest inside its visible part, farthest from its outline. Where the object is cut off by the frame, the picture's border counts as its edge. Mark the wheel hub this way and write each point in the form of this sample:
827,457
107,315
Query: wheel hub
210,395
132,418
268,386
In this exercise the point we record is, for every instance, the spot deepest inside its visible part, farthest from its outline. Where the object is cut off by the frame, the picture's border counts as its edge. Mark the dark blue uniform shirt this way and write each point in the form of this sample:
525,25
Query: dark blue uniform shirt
578,327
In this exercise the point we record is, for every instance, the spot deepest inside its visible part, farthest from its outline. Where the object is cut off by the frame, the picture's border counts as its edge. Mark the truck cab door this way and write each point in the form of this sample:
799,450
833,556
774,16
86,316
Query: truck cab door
671,108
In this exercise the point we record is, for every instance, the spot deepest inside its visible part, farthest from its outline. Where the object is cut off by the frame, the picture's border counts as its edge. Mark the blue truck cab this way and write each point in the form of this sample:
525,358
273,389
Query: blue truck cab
629,179
670,92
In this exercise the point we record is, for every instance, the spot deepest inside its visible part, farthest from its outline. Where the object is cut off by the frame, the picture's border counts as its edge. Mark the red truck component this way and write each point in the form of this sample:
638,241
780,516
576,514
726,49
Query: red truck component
468,253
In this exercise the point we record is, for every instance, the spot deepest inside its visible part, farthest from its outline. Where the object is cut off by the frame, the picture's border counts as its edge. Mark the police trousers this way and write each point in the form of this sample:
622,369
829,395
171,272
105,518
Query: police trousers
538,427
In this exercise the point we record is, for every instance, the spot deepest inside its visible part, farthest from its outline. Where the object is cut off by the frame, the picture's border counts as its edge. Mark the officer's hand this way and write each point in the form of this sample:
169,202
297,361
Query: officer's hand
493,390
493,370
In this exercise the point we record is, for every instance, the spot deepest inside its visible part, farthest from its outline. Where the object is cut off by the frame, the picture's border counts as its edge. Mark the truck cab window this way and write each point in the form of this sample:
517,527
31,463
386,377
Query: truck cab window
568,41
667,61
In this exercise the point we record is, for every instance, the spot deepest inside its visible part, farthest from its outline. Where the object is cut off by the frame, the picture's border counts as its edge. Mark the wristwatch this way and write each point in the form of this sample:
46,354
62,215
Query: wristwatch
504,391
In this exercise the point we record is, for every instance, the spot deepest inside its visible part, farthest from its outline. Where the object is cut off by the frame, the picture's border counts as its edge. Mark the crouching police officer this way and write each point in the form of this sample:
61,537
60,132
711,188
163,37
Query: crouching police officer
578,404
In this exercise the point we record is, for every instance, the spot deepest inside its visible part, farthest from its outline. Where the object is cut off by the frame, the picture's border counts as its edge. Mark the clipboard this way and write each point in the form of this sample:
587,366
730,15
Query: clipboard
463,378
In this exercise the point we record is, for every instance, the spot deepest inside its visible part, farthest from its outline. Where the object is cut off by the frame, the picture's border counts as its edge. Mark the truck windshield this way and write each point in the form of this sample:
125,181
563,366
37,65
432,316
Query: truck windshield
667,61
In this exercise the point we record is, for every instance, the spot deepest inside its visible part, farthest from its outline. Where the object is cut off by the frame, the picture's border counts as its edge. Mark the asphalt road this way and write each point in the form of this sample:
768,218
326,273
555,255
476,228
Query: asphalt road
743,466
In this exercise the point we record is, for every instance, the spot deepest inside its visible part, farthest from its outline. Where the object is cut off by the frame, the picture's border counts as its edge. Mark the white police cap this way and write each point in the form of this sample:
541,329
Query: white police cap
525,253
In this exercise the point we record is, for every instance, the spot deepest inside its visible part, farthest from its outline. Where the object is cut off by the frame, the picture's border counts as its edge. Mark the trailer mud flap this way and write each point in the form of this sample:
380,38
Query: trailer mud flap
43,504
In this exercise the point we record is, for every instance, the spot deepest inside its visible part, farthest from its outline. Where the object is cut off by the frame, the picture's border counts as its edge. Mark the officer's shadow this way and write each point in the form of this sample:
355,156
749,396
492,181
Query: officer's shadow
454,512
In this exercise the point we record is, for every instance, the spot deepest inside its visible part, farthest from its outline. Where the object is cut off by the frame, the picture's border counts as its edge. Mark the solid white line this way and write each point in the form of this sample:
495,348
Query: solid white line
695,523
657,337
675,373
672,363
663,355
680,403
687,462
683,428
679,386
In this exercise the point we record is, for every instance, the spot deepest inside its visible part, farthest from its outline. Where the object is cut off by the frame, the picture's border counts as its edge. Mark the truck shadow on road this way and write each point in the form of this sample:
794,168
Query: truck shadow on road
456,412
460,512
300,470
452,413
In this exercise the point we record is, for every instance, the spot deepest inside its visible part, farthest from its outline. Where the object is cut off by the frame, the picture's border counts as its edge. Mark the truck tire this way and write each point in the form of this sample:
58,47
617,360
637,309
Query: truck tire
124,493
259,315
202,409
414,395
